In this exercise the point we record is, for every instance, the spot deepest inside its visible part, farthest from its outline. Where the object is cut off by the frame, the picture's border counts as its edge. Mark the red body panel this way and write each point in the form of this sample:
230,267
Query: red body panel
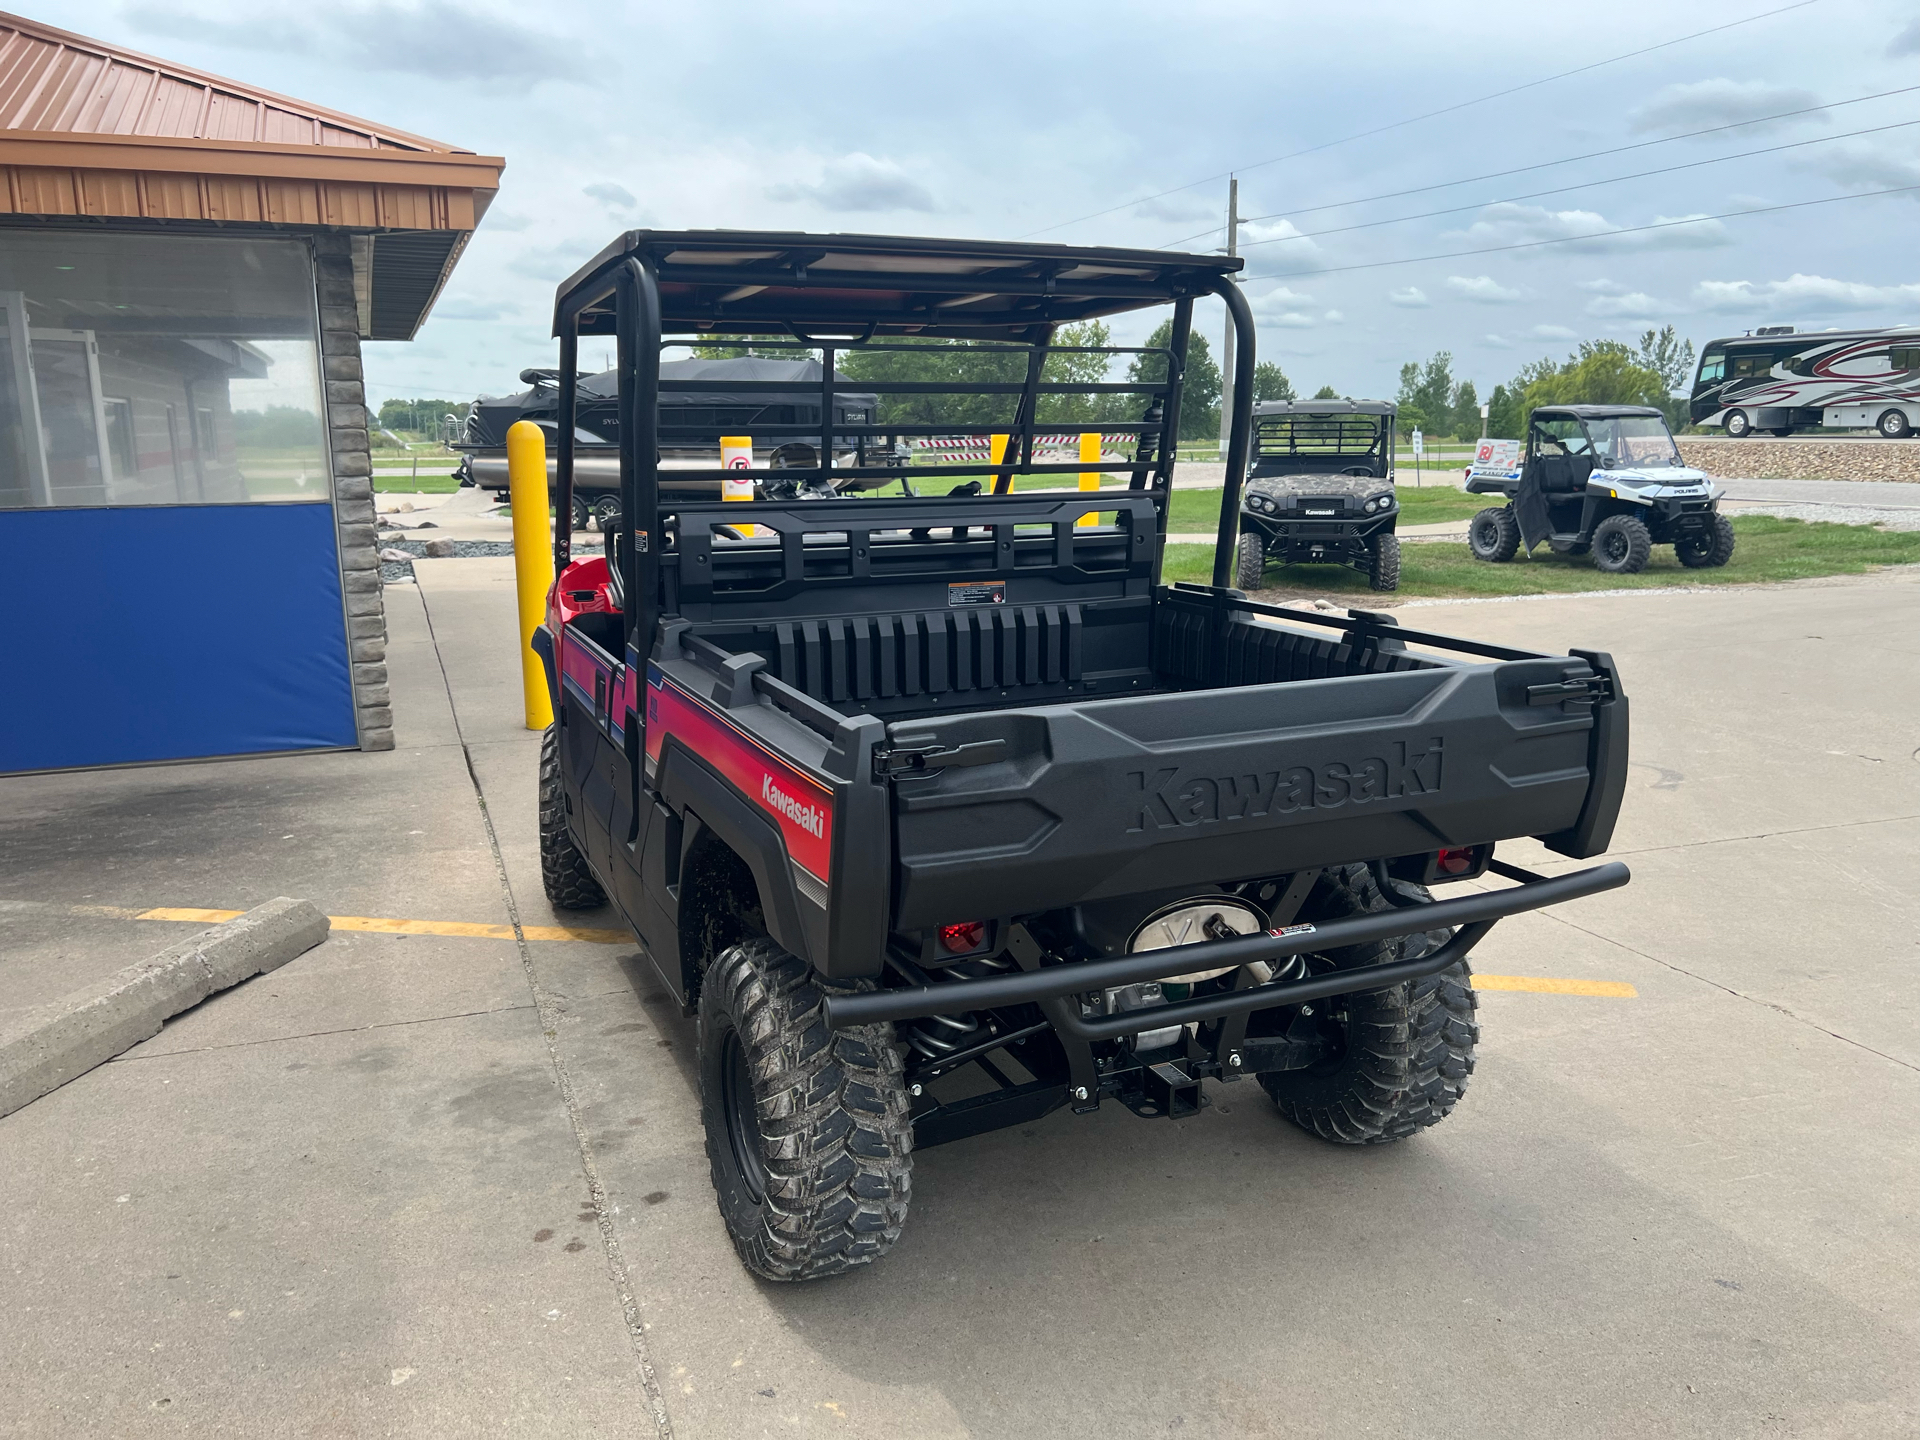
800,805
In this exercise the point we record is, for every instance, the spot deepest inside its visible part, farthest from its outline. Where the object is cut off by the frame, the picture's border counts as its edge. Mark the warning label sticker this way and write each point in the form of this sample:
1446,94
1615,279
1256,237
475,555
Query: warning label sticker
977,592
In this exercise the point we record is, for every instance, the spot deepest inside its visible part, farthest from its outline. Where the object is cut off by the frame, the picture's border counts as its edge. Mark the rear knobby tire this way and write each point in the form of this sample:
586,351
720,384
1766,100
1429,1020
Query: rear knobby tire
1250,562
1494,535
1705,550
808,1134
1622,545
1383,562
1404,1054
563,869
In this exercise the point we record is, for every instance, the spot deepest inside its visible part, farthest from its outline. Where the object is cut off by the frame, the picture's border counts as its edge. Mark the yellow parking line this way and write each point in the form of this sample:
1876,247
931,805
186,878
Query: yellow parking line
1546,985
378,925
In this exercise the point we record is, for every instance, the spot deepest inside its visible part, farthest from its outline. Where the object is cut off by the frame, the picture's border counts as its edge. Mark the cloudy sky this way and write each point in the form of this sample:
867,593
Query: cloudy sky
1091,123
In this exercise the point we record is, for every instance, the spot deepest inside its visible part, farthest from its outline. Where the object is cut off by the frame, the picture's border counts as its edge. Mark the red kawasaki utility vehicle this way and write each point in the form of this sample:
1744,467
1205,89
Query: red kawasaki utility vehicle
942,811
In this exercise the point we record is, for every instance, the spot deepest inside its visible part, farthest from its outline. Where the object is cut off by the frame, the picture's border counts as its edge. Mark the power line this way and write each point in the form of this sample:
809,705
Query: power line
1550,164
1593,235
1582,185
1431,114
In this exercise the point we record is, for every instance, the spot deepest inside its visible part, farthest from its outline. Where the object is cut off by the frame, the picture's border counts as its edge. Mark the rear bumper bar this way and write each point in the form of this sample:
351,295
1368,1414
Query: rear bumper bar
1474,914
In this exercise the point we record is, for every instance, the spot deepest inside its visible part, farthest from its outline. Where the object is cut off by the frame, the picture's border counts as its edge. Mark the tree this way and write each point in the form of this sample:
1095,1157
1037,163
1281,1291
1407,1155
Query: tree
1199,392
758,345
1601,372
1326,392
1671,358
1506,414
1080,369
1463,416
1270,382
419,416
1426,394
940,362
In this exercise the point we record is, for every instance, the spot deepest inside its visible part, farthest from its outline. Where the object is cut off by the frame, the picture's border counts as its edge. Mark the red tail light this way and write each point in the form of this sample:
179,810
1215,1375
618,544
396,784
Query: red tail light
963,938
1454,862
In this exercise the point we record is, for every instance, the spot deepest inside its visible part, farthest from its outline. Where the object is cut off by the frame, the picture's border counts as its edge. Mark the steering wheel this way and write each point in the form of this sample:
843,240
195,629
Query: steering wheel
1365,472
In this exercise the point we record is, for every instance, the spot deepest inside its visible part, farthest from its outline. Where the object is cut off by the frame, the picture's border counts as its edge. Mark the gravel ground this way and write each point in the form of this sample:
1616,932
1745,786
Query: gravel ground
395,569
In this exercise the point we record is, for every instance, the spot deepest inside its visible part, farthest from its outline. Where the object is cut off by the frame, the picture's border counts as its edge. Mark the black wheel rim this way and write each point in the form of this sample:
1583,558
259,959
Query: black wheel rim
1614,547
743,1119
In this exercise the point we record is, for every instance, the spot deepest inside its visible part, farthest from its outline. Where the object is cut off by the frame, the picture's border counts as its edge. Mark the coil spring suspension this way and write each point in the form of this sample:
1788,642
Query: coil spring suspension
937,1036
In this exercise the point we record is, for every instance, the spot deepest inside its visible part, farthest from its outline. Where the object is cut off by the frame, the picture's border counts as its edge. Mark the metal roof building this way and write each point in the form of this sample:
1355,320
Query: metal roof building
188,266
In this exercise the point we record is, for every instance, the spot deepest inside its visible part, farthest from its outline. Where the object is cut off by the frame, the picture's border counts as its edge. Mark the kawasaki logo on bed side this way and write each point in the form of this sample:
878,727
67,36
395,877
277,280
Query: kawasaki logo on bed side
1166,800
807,817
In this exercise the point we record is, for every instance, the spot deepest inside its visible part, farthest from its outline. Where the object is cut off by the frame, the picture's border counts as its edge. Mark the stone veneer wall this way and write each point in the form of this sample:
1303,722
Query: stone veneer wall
1776,459
353,516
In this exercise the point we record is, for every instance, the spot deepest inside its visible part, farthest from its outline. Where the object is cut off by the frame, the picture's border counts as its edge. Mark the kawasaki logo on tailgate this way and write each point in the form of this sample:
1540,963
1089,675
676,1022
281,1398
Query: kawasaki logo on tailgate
1166,799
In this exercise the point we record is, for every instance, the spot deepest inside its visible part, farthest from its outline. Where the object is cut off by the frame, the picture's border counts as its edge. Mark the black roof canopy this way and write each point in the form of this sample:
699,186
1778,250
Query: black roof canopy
1598,412
756,282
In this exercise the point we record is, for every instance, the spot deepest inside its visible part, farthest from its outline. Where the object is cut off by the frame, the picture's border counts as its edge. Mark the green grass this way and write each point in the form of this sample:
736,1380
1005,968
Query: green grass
438,483
1769,549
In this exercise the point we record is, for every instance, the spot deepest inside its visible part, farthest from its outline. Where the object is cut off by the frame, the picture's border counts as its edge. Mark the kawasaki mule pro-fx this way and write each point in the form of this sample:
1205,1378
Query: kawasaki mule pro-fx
941,812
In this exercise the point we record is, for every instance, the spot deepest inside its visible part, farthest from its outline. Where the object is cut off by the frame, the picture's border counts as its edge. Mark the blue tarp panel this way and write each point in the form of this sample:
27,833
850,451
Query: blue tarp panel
165,633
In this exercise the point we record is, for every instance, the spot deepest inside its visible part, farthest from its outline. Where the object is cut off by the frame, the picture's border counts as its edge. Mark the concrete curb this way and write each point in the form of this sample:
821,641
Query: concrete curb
46,1047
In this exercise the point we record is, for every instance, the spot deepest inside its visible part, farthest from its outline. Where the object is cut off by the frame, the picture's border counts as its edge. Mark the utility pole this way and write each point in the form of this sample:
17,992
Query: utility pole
1226,348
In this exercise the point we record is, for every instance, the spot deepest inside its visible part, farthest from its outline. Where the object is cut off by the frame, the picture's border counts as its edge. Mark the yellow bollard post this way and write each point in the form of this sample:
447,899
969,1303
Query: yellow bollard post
736,458
1089,479
996,452
532,557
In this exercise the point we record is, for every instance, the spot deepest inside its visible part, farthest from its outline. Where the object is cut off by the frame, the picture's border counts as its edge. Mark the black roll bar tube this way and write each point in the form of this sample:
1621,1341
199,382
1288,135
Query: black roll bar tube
637,313
563,457
1075,977
1240,436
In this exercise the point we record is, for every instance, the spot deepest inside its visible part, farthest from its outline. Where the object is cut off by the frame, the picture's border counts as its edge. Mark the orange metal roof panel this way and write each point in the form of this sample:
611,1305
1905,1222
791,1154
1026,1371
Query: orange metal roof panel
55,81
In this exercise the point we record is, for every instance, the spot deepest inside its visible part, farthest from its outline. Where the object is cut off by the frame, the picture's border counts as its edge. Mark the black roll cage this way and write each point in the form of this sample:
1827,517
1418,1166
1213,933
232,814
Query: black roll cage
847,292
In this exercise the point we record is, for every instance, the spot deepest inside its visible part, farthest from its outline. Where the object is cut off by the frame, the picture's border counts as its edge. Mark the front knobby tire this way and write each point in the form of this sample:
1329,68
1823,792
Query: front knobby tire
1622,545
563,869
1250,563
1383,563
1402,1055
808,1134
1494,535
1705,550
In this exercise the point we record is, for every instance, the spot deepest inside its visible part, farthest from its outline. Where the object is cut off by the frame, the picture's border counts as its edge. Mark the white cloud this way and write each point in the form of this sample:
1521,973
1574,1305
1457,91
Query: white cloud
1861,167
1706,103
1334,317
1634,305
1907,42
1482,290
1508,224
614,197
1287,310
1287,246
1803,294
437,39
1553,332
1496,342
1601,286
858,182
1411,298
1174,210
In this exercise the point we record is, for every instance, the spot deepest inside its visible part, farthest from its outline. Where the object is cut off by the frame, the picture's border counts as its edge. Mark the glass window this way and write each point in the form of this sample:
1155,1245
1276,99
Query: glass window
144,369
1633,441
1905,357
1561,434
1751,364
1713,367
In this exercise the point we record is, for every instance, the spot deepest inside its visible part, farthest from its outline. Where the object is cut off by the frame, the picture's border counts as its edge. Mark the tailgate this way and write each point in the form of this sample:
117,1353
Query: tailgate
1150,793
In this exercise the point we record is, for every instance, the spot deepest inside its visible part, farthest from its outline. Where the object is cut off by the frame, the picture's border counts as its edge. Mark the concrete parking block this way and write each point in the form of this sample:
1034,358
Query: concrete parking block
42,1049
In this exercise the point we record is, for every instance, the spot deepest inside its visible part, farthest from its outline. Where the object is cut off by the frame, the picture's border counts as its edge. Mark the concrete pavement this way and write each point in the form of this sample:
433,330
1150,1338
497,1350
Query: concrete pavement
430,1184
